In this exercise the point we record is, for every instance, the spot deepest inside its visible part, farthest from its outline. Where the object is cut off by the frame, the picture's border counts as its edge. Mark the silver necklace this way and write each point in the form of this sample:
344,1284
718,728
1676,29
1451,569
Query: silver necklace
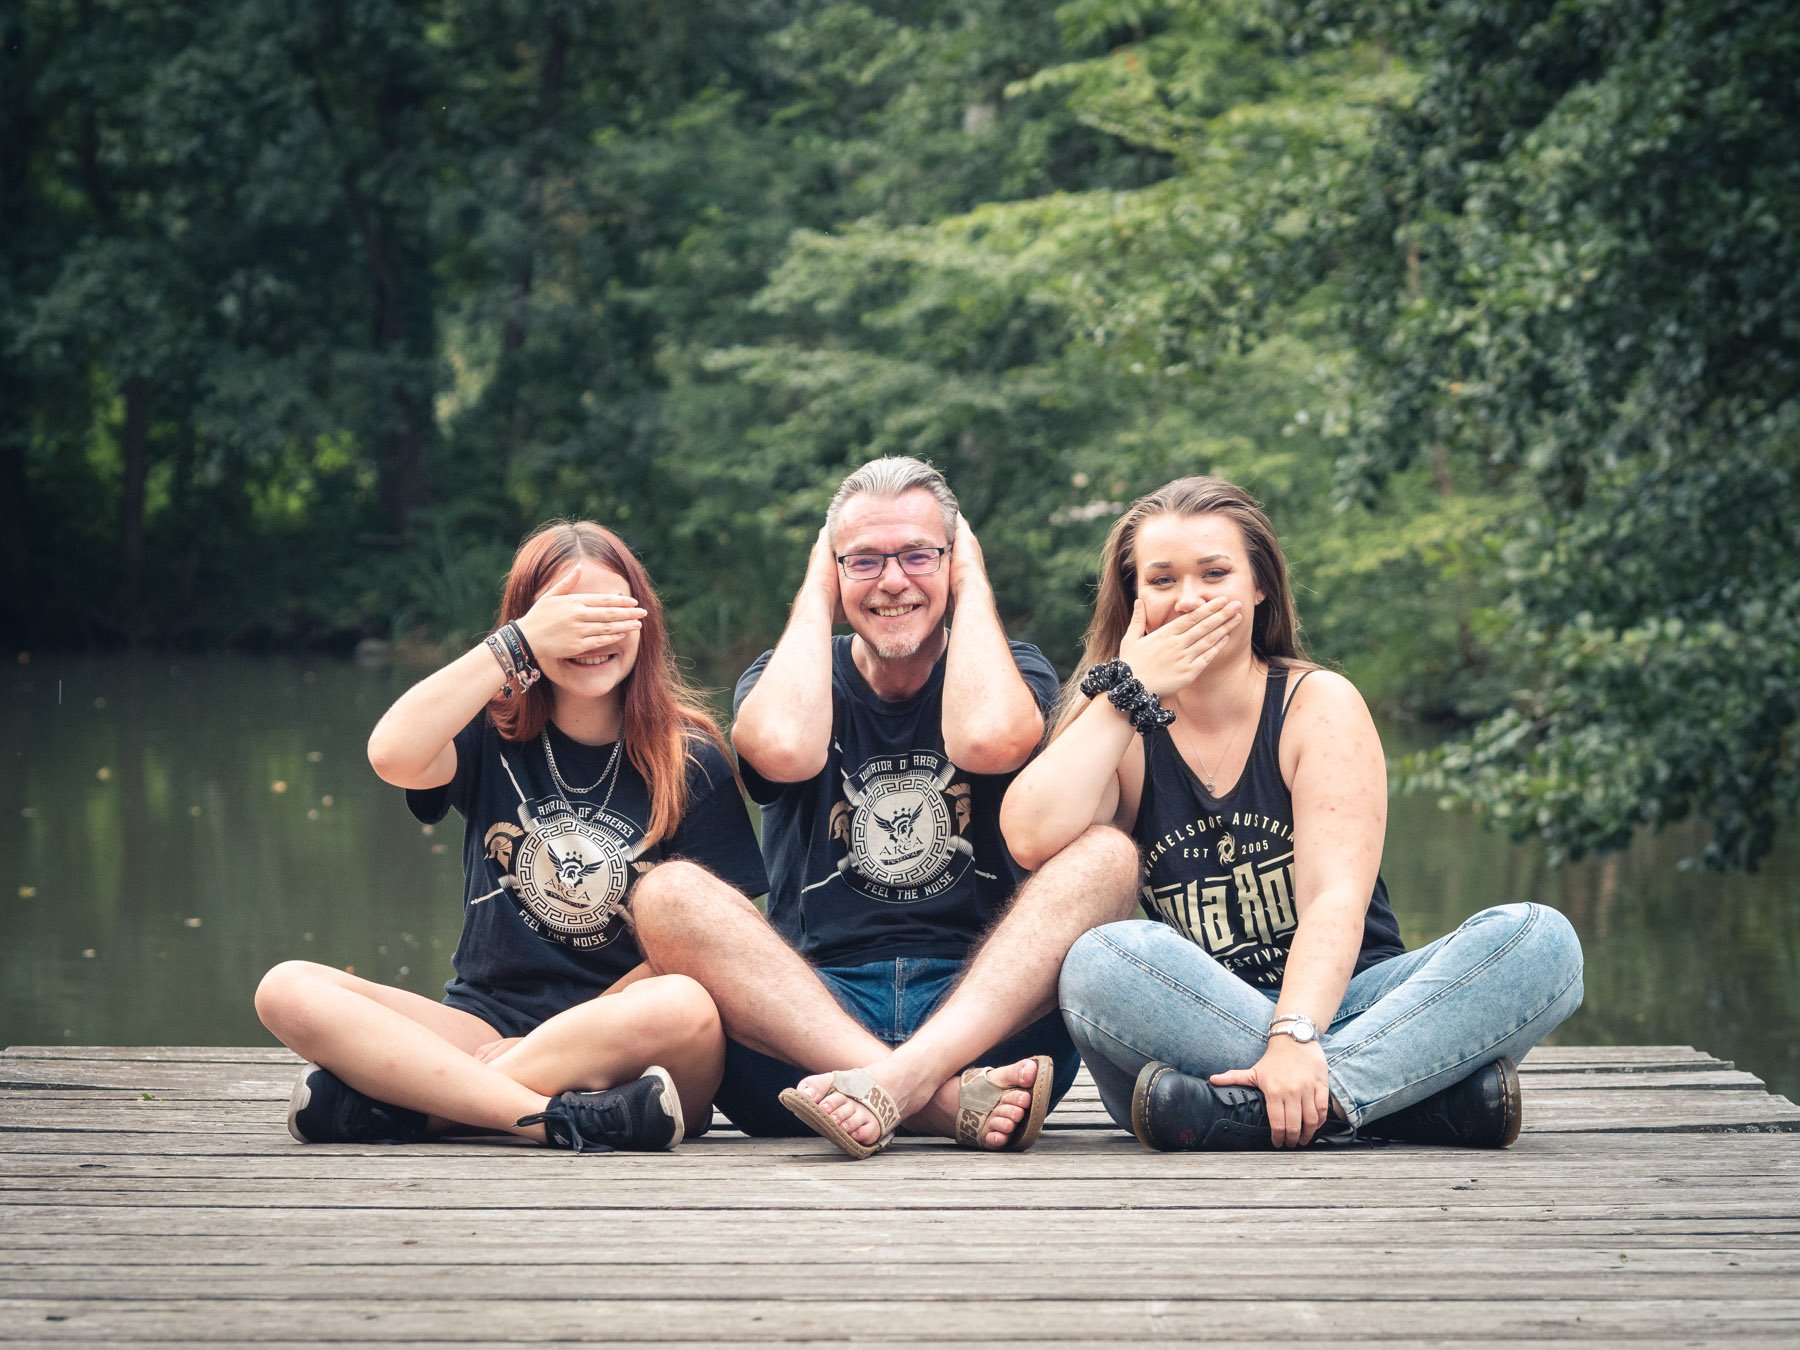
611,770
1212,782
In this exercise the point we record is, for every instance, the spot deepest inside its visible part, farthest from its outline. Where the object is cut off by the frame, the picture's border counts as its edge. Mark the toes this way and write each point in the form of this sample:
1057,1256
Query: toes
1020,1077
855,1118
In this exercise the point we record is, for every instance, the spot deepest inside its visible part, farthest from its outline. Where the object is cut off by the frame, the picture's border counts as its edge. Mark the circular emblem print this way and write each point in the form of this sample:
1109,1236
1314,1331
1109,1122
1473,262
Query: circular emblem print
571,876
900,834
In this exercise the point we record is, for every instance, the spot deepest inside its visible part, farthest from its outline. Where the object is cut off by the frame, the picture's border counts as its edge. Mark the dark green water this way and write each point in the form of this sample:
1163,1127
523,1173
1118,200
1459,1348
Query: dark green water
171,830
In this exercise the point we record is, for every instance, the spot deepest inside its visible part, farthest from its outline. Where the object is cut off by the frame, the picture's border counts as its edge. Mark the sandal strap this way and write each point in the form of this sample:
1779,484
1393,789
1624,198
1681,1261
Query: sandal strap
977,1096
859,1087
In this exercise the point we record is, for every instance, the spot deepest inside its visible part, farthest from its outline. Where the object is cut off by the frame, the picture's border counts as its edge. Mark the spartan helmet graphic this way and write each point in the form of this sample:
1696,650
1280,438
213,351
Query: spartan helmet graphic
900,830
900,825
499,842
572,869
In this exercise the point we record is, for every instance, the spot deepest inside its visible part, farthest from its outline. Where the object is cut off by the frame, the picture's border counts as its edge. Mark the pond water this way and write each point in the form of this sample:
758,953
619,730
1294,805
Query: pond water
172,829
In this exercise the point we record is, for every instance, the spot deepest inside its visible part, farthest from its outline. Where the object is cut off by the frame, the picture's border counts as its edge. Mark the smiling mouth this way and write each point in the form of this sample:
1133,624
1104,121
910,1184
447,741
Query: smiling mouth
591,661
892,611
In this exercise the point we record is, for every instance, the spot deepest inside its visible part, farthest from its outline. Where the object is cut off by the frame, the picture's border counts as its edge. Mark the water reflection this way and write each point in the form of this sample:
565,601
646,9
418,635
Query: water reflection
172,829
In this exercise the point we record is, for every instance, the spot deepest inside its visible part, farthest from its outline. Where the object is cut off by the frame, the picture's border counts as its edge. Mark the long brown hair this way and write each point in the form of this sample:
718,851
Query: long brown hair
662,711
1275,625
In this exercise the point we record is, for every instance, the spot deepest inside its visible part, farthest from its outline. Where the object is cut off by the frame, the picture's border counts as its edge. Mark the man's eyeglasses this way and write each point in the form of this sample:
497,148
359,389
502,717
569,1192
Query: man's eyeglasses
915,562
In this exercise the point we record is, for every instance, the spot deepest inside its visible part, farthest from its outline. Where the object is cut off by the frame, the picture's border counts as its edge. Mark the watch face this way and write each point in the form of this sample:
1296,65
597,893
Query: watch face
1304,1033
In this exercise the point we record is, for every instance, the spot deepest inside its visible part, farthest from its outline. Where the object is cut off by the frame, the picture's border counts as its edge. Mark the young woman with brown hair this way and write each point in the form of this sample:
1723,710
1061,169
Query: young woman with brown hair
1271,1001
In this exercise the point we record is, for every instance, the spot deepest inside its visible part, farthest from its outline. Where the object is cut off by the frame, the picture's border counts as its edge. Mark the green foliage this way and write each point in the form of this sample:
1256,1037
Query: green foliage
1572,272
308,314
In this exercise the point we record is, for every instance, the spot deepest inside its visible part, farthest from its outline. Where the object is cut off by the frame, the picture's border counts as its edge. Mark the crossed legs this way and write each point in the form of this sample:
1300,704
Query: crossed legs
404,1049
1408,1027
773,1002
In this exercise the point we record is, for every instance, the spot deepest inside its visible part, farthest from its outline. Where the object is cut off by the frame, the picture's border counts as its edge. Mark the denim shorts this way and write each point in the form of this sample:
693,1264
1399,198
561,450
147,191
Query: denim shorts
892,999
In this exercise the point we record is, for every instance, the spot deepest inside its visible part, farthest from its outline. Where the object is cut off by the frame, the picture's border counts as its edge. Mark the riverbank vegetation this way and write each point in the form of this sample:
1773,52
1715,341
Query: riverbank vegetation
308,313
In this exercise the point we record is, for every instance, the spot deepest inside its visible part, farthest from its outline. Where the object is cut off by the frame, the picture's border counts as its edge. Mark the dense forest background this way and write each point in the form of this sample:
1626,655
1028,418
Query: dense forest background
308,313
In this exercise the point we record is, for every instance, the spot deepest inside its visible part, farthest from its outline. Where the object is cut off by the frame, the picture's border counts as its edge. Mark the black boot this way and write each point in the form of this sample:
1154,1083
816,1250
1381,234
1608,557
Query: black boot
1173,1111
1482,1111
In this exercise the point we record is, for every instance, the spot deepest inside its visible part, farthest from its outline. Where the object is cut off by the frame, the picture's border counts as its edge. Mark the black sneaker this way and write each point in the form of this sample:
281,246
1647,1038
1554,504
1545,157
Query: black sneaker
1172,1111
643,1114
1482,1111
324,1109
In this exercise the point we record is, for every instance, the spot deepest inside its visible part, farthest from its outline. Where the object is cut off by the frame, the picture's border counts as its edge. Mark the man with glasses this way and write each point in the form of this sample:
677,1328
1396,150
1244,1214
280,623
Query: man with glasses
880,759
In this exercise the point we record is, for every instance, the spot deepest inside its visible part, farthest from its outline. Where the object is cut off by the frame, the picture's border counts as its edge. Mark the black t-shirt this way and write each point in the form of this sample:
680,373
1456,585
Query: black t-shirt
546,877
1220,870
891,850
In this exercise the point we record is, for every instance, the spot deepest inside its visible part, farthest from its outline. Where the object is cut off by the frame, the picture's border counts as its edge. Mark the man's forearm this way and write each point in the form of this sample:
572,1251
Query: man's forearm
783,728
991,718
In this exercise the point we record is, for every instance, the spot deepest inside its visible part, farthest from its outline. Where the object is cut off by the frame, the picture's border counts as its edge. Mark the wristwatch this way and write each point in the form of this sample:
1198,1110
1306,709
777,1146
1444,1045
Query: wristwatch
1297,1025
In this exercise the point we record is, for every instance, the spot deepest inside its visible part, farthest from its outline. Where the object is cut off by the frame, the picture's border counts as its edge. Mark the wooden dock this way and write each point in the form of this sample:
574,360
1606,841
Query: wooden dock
153,1194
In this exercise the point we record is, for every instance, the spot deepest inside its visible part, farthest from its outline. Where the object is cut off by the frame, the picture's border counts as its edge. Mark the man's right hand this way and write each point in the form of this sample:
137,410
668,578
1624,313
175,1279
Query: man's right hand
822,575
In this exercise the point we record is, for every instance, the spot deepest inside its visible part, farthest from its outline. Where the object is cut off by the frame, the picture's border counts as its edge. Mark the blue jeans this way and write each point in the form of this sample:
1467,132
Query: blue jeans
892,999
1139,991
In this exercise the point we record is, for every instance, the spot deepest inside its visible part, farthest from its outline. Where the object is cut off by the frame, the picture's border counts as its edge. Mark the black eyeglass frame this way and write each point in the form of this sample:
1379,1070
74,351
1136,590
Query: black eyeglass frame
937,552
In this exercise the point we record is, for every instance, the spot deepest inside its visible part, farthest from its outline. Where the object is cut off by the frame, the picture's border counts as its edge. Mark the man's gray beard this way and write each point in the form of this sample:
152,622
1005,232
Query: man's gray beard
897,651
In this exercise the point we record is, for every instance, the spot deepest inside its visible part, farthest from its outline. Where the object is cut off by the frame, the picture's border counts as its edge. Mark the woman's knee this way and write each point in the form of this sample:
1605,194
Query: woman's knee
282,994
1542,942
677,1010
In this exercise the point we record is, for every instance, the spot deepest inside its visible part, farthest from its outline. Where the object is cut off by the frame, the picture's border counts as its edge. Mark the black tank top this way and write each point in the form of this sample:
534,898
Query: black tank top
1220,870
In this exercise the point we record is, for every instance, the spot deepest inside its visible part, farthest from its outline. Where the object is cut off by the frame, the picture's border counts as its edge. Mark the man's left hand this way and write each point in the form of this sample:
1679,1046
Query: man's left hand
967,566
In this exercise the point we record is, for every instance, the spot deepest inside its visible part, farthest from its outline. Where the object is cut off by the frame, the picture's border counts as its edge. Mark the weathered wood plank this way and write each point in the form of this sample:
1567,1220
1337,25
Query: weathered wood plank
153,1195
885,1321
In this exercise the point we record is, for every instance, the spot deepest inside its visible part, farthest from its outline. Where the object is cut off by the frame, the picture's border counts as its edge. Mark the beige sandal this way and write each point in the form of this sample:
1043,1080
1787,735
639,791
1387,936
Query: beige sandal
978,1095
859,1087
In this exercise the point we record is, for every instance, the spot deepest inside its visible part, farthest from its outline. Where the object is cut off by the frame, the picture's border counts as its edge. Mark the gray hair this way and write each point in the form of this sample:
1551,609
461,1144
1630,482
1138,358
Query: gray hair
894,476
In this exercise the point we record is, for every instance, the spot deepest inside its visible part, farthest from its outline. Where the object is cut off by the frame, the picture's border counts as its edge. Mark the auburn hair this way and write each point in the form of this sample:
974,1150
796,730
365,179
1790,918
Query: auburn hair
662,713
1275,624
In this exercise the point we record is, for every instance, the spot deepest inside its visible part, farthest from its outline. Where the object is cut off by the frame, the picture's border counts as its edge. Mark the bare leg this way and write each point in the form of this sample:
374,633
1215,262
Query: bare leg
1010,982
666,1019
402,1048
689,922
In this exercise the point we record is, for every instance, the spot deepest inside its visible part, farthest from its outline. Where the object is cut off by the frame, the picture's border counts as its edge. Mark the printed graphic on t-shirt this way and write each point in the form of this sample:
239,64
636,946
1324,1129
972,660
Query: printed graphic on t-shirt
1239,907
903,825
565,866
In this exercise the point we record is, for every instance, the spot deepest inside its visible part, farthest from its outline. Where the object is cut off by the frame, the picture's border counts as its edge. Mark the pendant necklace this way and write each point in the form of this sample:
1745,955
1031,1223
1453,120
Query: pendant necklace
611,770
1212,781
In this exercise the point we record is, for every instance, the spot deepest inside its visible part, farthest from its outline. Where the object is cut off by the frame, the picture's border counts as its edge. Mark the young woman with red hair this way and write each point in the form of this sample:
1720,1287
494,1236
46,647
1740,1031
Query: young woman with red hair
578,758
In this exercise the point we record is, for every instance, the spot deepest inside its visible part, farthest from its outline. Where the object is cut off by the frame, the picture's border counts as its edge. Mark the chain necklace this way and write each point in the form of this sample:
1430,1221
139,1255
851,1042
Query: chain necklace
1212,782
611,770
